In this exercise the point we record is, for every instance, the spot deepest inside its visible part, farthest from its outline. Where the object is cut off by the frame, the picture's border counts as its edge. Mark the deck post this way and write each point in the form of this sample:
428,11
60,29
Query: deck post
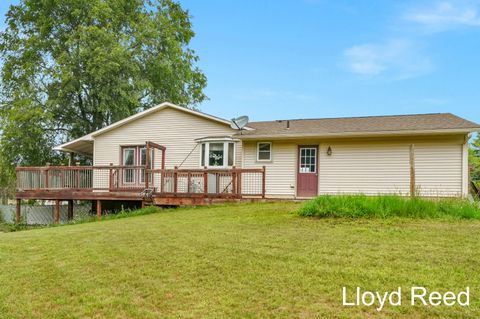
18,211
263,181
175,180
147,162
57,211
163,159
70,159
239,182
412,171
110,178
234,181
70,209
46,176
62,177
162,180
205,181
99,209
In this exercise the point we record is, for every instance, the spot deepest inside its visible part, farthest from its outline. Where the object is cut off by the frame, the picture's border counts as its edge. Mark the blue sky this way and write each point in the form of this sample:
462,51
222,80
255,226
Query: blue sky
321,58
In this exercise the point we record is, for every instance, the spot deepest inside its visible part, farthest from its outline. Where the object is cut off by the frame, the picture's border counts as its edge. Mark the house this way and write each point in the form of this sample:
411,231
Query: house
173,155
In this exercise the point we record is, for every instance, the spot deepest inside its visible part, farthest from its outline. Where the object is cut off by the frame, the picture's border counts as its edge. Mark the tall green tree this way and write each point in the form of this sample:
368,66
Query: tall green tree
474,159
70,67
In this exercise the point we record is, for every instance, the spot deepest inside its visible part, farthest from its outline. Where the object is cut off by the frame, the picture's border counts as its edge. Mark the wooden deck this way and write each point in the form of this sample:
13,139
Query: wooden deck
139,183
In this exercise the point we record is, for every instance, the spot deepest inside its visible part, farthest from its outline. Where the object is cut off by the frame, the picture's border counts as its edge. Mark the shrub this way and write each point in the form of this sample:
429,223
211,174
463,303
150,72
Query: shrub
354,206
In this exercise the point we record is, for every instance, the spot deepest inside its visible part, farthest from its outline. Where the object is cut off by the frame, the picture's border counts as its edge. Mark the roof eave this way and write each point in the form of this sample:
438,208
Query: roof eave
68,150
153,110
356,134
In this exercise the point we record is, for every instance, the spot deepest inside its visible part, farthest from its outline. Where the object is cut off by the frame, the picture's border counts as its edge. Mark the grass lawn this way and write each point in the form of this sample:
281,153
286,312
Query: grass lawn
238,261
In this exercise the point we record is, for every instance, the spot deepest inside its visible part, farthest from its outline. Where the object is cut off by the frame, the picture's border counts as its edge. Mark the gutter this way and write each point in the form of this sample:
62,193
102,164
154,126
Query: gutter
281,136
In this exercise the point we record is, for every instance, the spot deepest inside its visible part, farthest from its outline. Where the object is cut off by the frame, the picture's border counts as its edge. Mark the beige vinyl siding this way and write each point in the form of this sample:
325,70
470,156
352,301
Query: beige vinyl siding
438,169
368,168
174,129
371,167
280,171
378,168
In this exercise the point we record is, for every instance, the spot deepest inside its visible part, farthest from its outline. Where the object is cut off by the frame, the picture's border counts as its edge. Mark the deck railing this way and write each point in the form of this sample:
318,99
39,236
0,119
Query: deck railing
232,182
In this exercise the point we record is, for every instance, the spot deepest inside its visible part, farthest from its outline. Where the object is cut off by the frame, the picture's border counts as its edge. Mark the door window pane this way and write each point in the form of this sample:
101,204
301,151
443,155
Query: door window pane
143,162
129,160
143,157
308,160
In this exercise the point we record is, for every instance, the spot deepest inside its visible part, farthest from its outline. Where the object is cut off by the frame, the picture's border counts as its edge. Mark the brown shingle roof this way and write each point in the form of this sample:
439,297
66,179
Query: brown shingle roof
351,126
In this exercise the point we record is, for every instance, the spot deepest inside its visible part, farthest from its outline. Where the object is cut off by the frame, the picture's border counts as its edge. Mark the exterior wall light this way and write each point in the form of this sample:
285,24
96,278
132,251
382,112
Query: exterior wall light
329,151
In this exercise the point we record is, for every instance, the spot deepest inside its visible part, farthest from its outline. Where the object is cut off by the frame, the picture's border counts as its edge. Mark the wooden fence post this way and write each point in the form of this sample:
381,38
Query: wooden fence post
412,171
263,182
57,211
99,209
70,209
18,211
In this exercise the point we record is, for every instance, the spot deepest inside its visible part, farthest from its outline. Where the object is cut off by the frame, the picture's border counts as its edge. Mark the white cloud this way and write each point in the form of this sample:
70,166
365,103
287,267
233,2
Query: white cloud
445,15
396,59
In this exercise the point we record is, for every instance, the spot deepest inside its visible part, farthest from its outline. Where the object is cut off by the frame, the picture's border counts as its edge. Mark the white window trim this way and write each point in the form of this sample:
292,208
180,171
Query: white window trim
123,164
225,153
258,152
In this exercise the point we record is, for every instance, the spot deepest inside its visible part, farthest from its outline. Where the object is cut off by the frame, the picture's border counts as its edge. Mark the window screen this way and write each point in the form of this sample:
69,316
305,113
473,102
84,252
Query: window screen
264,151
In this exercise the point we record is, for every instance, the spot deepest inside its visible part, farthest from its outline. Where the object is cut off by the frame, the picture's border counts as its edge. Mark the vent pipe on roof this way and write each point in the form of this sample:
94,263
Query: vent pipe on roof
288,124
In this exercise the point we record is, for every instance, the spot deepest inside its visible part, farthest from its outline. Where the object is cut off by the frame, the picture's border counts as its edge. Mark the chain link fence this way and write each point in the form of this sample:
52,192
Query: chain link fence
44,214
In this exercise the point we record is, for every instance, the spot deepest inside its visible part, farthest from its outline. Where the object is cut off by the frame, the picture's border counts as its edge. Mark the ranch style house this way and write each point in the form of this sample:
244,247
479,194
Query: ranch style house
171,155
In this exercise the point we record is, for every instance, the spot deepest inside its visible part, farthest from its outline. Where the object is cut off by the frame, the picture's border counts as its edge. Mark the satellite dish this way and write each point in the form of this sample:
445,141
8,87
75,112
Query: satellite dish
239,123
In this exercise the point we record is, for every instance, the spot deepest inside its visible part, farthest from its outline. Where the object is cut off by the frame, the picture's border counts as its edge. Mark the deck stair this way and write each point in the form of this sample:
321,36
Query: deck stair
147,195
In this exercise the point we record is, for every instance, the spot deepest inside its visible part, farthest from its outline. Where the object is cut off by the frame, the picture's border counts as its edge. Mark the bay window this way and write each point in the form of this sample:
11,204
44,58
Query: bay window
217,154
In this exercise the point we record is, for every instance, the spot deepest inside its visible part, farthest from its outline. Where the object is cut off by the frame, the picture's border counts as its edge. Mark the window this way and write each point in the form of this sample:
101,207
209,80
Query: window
129,160
231,152
308,160
203,155
143,162
264,151
217,154
135,156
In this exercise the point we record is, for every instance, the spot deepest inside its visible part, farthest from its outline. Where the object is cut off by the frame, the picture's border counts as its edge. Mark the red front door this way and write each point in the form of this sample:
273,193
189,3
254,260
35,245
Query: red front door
307,171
